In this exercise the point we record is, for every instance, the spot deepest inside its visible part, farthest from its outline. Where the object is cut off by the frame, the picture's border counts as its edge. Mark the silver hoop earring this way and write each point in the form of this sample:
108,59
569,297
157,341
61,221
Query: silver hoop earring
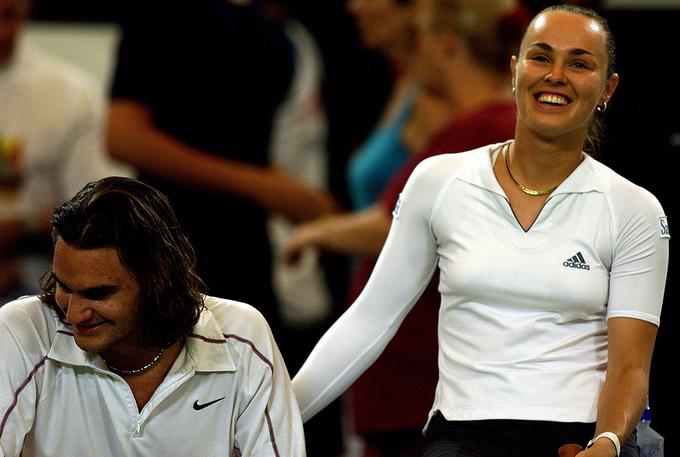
602,108
514,90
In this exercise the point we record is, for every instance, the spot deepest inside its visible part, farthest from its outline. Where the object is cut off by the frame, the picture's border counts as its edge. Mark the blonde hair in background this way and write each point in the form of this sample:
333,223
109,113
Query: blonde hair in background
491,27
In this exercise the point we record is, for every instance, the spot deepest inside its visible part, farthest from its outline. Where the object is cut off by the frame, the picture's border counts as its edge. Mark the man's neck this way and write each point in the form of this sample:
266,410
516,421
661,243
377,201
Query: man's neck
145,383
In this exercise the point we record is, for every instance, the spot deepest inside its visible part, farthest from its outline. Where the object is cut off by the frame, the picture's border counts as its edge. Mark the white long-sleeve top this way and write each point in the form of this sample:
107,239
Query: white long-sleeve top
523,317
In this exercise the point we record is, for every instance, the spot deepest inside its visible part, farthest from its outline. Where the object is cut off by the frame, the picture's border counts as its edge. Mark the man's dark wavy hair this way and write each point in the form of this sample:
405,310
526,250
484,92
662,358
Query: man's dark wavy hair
140,224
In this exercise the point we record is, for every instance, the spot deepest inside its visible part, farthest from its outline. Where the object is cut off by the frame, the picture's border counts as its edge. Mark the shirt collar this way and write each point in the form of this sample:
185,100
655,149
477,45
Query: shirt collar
65,350
479,172
206,347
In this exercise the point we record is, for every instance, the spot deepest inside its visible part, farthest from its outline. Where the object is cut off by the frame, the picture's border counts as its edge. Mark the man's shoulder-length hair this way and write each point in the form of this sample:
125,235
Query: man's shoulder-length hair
138,221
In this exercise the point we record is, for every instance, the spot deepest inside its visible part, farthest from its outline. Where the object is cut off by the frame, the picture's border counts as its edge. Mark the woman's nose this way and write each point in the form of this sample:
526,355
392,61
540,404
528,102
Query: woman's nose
556,75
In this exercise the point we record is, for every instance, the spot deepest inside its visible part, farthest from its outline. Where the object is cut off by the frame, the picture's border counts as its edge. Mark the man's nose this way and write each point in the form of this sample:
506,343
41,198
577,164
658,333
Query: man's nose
77,309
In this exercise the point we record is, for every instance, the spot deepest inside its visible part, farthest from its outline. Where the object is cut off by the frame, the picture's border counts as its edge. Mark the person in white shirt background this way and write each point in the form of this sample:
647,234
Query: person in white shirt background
51,145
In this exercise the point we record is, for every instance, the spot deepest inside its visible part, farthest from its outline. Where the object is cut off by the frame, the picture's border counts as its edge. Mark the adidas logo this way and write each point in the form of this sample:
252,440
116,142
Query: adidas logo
577,262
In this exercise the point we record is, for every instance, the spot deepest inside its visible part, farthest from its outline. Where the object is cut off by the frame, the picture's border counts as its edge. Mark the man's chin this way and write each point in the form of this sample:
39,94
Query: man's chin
90,345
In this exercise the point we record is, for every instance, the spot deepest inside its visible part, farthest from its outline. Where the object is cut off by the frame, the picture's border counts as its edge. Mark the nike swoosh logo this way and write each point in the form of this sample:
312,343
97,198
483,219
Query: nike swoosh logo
198,407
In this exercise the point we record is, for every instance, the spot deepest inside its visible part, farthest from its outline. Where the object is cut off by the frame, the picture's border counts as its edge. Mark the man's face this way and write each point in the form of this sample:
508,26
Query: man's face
13,13
99,297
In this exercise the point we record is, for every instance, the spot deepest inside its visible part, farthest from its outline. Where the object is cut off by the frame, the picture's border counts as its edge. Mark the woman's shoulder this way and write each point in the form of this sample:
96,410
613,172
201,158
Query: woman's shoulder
628,201
619,188
434,174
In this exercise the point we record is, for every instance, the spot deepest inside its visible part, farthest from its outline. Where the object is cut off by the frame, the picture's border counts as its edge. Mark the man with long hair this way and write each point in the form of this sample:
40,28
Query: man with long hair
123,340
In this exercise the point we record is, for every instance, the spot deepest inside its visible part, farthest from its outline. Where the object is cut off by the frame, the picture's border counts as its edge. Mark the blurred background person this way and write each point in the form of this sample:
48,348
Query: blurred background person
235,137
51,144
386,26
298,147
194,93
463,55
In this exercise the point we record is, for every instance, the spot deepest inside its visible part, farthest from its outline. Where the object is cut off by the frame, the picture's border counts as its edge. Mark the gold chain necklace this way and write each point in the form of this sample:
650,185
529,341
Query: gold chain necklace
526,190
155,359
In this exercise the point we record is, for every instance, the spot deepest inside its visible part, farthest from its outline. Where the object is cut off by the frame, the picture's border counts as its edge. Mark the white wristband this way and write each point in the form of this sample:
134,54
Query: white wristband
612,437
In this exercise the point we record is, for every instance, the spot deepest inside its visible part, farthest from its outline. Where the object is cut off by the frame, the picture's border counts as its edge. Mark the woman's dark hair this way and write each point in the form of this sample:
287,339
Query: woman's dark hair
140,224
595,135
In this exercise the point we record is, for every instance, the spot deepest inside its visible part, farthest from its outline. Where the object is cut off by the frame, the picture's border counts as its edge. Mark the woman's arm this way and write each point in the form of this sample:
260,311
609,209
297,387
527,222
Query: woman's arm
636,289
623,395
402,272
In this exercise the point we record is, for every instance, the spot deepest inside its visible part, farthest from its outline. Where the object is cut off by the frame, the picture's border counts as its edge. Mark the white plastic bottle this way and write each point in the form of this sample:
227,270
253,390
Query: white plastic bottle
648,439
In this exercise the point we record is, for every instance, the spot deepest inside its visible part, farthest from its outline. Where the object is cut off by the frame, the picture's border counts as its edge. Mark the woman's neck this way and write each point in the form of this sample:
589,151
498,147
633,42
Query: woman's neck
540,164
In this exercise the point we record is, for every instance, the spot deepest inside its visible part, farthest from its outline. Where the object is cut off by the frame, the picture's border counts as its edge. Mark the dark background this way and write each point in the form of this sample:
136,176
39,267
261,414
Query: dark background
643,127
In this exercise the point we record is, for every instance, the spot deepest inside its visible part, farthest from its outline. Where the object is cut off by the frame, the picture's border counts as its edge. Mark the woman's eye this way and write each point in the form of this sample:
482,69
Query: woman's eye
580,65
539,58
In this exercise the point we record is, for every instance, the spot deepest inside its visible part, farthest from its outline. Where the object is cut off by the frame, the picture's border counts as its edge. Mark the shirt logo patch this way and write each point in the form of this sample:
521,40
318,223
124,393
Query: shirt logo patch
577,261
198,407
664,229
397,208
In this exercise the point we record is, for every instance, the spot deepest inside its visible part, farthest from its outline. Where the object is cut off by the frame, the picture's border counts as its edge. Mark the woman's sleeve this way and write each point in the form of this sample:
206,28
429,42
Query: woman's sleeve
402,272
640,261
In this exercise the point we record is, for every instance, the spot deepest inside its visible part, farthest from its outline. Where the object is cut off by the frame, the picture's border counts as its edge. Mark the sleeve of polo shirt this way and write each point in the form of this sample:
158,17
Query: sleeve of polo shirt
270,424
23,354
640,258
403,270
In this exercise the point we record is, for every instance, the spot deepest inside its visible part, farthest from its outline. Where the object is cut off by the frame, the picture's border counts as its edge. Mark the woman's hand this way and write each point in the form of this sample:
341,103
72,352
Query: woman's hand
600,448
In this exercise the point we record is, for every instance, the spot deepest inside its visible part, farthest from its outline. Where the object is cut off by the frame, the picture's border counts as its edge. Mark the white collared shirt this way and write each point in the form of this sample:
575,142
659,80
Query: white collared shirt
228,389
523,317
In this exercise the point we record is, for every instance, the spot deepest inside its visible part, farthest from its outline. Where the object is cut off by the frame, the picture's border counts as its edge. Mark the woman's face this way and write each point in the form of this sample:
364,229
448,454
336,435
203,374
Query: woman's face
560,75
383,24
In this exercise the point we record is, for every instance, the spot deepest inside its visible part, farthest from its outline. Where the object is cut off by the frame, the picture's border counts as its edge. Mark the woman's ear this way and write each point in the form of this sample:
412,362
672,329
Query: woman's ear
609,89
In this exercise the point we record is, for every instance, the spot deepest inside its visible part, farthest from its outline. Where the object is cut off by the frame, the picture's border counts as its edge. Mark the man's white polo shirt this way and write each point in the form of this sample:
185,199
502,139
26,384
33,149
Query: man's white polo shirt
228,389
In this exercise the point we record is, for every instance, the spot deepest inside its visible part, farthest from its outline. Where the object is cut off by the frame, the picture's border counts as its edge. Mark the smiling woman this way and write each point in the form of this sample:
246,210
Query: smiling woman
551,272
588,63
